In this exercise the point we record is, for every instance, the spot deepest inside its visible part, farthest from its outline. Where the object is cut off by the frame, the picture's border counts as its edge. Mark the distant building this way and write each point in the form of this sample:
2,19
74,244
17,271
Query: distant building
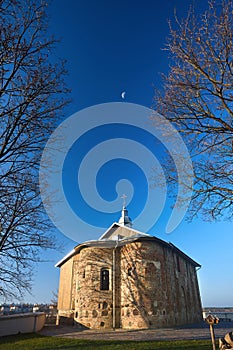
223,314
128,279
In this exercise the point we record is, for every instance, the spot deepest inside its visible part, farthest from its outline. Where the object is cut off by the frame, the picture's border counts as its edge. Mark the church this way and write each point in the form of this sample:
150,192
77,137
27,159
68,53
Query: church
128,279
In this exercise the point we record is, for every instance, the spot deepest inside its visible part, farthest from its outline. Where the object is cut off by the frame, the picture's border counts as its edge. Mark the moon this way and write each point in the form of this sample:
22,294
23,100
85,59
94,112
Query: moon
123,95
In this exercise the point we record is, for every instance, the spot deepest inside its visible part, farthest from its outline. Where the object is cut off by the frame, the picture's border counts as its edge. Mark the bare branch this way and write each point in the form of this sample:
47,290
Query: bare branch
198,98
32,94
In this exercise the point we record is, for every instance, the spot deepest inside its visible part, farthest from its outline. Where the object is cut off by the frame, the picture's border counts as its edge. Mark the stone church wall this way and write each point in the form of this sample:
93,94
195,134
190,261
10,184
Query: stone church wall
158,287
153,287
65,289
93,307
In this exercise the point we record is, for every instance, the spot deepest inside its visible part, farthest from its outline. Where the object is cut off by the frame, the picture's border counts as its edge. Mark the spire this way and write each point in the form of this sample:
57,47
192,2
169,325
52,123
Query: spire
125,219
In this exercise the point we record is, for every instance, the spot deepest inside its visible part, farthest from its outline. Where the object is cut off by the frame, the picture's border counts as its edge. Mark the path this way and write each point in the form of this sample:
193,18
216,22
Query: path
199,331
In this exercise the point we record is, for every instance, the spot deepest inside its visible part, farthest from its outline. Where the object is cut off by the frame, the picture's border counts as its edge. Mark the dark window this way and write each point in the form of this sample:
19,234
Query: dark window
104,279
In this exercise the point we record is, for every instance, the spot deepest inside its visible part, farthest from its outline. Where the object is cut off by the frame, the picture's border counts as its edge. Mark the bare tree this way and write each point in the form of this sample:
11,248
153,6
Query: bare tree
32,94
198,98
54,298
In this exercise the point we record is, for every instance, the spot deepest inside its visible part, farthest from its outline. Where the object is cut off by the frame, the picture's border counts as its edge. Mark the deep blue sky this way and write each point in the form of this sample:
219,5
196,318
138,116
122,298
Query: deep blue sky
115,46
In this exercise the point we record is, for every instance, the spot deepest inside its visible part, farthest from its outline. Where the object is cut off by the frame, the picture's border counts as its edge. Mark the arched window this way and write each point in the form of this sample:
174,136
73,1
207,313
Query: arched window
104,279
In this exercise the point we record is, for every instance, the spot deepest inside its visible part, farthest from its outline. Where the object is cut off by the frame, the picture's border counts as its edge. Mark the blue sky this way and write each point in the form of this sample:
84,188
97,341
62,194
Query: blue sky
110,47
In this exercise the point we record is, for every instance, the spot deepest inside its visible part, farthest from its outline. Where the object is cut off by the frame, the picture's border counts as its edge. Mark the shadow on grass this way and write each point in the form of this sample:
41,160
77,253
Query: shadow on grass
39,342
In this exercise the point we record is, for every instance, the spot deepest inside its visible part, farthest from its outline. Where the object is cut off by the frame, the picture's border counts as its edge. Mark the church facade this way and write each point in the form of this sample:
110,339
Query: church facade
128,279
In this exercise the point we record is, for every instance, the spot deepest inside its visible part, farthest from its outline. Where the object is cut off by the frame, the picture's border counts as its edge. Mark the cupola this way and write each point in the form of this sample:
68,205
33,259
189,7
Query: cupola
125,219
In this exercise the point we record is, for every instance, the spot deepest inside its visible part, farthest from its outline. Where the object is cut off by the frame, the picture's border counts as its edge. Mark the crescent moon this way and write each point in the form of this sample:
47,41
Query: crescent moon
123,94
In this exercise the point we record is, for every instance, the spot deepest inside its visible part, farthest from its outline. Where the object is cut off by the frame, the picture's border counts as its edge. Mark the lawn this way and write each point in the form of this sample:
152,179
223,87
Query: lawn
38,342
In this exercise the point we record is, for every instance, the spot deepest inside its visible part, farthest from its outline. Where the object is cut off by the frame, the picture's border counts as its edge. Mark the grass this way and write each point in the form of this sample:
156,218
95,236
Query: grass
39,342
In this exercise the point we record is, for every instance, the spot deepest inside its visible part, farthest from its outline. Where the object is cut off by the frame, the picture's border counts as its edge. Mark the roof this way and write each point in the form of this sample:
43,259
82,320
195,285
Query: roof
127,232
118,235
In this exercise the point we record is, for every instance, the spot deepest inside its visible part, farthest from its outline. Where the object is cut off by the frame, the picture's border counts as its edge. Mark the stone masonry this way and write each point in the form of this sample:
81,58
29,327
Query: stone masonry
129,280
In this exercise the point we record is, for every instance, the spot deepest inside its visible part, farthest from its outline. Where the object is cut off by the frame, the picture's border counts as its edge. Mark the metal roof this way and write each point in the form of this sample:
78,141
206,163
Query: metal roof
104,242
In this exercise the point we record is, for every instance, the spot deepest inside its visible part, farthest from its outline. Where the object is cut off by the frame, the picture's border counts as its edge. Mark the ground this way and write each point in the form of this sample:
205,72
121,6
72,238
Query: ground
197,331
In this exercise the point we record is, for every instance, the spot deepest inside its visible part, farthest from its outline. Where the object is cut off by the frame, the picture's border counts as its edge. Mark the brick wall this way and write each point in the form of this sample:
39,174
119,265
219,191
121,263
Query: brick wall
93,306
154,287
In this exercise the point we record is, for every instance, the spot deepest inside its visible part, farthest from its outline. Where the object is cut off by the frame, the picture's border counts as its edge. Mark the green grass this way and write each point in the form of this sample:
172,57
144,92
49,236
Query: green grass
38,342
